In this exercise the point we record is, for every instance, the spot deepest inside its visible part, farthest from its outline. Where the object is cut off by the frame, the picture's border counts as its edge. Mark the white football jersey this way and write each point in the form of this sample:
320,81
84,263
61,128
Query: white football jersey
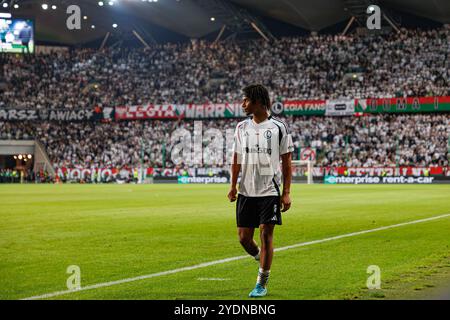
259,147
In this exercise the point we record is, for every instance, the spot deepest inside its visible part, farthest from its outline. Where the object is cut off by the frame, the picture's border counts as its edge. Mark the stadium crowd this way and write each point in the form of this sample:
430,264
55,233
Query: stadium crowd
413,63
376,140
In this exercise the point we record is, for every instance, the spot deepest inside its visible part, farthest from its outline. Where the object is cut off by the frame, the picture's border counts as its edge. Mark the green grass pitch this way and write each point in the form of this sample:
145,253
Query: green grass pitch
114,232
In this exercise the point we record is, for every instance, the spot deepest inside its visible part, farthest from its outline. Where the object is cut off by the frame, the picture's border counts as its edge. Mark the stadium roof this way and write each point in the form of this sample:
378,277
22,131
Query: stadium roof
166,19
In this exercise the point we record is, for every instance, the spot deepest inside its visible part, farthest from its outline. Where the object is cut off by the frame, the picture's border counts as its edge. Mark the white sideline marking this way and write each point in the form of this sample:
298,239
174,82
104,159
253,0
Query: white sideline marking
211,263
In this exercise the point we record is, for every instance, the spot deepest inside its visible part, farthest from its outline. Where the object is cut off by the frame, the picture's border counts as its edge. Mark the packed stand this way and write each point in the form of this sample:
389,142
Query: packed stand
376,140
413,63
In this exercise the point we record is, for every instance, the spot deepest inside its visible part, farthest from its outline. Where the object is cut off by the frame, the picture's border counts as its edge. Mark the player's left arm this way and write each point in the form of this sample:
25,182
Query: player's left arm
286,168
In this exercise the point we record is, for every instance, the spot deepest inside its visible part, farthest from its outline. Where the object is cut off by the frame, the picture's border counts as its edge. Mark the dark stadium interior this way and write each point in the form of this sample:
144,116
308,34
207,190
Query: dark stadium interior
185,19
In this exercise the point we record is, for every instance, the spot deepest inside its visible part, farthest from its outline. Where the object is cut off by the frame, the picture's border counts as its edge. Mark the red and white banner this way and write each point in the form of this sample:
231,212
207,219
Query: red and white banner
73,174
146,112
91,174
180,111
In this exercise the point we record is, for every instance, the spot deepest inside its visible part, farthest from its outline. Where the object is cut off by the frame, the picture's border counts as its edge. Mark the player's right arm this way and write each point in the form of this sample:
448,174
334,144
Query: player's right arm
235,169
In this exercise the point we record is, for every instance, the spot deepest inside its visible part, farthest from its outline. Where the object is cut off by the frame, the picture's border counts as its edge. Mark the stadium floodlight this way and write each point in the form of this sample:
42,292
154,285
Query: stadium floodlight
93,27
54,7
85,17
20,157
5,5
111,3
29,156
16,6
114,25
15,157
213,19
100,3
44,6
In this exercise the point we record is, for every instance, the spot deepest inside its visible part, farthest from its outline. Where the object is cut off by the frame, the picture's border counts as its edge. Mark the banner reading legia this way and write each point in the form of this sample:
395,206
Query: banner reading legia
176,111
214,110
304,107
343,107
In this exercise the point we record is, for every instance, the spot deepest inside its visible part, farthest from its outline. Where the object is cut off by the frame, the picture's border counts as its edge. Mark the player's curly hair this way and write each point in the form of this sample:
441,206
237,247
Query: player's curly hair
257,92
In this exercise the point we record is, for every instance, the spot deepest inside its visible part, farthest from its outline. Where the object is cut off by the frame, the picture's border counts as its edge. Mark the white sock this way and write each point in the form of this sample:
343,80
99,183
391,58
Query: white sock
263,277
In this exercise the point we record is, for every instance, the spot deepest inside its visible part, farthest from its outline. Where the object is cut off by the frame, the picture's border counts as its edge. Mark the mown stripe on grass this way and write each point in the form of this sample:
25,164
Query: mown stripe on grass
211,263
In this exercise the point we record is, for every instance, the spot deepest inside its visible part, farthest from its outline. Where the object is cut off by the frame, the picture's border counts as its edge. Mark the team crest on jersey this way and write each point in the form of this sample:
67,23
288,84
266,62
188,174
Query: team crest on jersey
268,134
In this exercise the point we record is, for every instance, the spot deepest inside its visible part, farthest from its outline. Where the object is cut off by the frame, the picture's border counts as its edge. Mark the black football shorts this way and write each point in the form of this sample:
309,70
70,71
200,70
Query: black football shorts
253,211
